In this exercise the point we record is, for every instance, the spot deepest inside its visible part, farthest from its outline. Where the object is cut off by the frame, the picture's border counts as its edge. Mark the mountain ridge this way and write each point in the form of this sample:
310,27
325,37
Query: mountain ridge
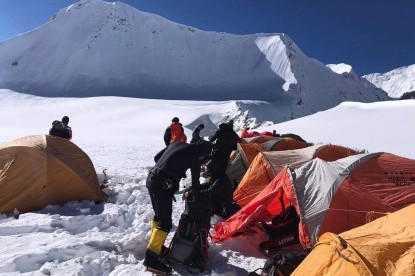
112,49
399,83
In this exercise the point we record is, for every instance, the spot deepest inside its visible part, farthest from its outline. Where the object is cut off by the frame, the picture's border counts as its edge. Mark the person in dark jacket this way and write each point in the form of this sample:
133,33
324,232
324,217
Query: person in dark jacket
58,129
220,190
68,129
162,182
196,133
225,141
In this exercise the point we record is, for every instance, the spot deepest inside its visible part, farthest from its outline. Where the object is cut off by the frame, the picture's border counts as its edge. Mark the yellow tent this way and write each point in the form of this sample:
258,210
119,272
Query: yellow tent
39,170
385,246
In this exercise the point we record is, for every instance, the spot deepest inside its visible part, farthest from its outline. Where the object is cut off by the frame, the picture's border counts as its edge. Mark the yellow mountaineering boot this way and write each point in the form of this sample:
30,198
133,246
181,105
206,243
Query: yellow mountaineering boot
164,249
153,224
152,258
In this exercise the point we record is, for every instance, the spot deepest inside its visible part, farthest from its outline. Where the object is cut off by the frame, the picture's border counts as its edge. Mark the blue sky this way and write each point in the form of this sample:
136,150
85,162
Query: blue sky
371,35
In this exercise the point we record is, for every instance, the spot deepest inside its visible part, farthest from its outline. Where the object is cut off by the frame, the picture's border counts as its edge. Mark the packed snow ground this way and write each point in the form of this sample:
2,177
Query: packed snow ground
122,135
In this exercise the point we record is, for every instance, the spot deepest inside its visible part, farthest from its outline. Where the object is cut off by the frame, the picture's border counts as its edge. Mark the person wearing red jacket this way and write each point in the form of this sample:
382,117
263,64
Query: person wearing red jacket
174,132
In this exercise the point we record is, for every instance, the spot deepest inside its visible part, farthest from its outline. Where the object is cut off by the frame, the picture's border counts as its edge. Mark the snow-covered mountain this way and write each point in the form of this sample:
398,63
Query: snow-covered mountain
398,83
97,48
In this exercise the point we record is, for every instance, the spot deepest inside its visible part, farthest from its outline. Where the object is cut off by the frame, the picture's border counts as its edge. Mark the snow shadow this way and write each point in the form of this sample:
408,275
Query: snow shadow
74,209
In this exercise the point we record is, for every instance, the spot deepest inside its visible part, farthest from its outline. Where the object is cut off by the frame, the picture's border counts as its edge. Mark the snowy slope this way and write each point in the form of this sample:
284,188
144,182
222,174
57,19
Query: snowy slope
375,127
82,238
98,48
396,82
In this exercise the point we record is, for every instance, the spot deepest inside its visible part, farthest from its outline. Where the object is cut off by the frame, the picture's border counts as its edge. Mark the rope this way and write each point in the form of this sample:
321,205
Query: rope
370,215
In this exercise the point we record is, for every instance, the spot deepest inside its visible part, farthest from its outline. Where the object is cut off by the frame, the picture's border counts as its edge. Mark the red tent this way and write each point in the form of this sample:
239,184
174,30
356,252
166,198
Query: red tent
330,196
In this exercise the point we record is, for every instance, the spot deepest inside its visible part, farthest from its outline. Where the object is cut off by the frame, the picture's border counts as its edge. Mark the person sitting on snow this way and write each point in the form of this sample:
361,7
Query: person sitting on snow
68,129
58,130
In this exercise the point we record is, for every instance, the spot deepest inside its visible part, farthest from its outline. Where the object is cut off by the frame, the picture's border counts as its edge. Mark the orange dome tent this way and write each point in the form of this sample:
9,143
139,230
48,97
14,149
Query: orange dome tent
39,170
267,165
246,153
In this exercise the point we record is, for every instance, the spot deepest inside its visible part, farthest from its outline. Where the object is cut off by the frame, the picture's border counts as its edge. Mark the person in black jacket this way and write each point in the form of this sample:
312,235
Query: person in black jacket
162,182
196,133
68,129
220,190
225,141
59,130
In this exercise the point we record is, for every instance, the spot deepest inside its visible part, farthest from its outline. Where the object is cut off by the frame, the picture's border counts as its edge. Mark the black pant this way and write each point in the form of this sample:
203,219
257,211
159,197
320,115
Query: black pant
161,190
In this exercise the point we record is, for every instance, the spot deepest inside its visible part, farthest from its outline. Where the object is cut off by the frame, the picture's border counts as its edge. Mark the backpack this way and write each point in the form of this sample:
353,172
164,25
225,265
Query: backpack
188,249
282,232
281,264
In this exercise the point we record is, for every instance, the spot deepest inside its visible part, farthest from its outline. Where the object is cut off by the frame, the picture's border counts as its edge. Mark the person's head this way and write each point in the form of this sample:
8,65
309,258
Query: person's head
57,124
175,120
204,148
201,126
65,120
230,122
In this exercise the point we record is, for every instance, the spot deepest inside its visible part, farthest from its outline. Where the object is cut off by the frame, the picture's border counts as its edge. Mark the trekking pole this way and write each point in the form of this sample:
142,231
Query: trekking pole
105,181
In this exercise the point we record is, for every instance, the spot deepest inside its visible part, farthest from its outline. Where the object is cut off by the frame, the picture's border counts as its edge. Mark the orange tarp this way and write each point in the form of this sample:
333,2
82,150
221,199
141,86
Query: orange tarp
267,205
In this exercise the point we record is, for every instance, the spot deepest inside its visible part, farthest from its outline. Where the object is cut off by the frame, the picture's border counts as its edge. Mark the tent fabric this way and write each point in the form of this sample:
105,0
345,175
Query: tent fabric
344,260
315,184
385,246
263,208
39,170
267,165
270,144
382,184
330,196
249,151
241,159
257,139
246,153
281,144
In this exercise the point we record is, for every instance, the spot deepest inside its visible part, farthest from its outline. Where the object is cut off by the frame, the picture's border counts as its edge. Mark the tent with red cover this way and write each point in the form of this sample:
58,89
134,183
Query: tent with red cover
267,165
330,196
